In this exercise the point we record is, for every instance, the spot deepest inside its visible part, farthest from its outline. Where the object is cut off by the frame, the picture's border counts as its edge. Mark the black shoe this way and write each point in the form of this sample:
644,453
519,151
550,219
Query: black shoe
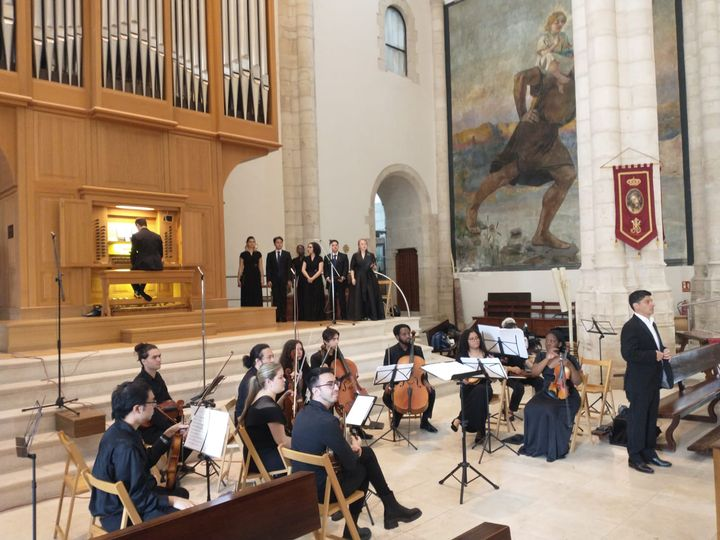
146,296
427,426
453,426
96,311
337,516
364,436
642,467
658,462
395,512
363,532
479,439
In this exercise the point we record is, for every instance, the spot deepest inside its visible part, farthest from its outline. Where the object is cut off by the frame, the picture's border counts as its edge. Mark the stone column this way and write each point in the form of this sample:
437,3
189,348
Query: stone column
616,109
441,243
298,120
702,62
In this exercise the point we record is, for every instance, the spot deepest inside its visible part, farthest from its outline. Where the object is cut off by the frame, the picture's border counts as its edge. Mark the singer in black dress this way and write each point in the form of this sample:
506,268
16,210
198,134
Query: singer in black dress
313,308
548,419
250,274
365,300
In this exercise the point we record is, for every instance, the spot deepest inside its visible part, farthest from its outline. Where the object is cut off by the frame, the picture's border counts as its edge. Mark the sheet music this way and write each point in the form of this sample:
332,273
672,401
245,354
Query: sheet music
446,370
494,368
505,341
208,431
383,374
360,410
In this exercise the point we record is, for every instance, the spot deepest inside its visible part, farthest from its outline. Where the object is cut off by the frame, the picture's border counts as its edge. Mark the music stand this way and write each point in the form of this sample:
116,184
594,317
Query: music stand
503,341
492,369
389,375
458,372
22,449
602,329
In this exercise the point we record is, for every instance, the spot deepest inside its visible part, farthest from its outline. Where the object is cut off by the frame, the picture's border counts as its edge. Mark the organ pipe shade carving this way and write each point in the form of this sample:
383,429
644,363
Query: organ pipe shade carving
133,47
189,55
57,35
246,80
7,35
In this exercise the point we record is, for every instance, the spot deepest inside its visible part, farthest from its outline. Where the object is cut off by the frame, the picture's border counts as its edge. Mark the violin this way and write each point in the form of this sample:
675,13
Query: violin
172,410
559,388
411,396
346,374
292,404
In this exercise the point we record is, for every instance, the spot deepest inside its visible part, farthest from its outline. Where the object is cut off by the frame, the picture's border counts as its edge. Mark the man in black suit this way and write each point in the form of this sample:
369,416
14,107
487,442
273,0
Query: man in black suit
146,253
339,262
277,271
643,350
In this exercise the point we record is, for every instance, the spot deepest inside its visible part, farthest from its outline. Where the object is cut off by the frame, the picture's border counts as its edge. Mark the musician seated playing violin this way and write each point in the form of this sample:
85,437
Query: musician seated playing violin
330,356
150,363
550,414
263,417
122,456
317,431
404,336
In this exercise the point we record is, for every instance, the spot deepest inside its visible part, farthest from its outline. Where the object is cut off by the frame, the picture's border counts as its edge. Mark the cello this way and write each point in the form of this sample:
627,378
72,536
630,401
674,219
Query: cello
346,374
411,396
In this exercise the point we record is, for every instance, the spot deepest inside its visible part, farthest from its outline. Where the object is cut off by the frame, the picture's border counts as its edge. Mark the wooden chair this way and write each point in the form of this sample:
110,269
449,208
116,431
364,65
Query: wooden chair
118,489
232,446
72,482
262,475
502,416
584,410
603,389
326,508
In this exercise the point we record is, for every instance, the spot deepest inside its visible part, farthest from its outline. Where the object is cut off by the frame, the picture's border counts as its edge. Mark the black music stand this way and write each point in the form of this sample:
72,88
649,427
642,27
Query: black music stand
22,449
492,369
462,372
602,329
389,375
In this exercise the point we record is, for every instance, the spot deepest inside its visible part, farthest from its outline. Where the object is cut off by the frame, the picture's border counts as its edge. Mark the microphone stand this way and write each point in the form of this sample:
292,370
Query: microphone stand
295,303
60,402
202,320
332,285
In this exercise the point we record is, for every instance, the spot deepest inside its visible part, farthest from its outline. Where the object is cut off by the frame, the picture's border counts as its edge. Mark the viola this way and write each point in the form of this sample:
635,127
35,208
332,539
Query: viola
411,396
346,374
173,411
559,388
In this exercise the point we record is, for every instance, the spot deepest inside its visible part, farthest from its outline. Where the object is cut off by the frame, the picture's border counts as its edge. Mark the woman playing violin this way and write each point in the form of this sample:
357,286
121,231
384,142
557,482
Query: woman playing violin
264,418
476,393
550,414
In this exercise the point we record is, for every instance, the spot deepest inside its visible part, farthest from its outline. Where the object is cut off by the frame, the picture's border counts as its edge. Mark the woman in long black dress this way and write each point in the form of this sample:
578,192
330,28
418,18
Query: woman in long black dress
263,416
366,302
476,395
549,419
250,275
314,296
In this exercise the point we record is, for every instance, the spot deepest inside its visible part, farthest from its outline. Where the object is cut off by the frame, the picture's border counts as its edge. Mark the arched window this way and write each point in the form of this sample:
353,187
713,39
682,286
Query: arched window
395,42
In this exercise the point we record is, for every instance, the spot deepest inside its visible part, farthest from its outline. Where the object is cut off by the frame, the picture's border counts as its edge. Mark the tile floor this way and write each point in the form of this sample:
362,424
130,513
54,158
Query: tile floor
590,494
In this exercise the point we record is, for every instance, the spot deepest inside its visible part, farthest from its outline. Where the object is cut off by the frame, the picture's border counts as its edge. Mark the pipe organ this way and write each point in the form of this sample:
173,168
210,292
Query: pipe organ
107,103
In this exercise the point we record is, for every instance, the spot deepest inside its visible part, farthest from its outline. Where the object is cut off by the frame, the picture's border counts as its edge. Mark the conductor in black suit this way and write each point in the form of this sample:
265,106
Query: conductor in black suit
644,352
277,272
338,261
146,253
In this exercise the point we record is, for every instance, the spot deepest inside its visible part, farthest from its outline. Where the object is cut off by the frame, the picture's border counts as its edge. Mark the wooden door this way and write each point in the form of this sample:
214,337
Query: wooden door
406,270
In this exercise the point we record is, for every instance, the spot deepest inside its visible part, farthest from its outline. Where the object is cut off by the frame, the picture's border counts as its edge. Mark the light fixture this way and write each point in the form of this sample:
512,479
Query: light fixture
129,207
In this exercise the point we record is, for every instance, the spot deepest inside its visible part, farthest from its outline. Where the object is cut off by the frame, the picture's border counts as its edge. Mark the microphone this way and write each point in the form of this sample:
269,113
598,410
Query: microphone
202,275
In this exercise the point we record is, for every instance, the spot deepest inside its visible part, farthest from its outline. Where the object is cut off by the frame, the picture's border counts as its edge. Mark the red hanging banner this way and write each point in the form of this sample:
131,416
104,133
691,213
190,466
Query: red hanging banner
634,205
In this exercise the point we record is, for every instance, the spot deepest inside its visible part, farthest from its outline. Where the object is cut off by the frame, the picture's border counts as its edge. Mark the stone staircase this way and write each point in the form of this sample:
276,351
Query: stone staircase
91,378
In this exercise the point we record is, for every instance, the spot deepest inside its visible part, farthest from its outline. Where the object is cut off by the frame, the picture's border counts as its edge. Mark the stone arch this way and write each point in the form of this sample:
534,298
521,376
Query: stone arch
409,223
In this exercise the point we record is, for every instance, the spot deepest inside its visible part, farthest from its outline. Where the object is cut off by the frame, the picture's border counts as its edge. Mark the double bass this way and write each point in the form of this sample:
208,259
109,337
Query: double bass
411,396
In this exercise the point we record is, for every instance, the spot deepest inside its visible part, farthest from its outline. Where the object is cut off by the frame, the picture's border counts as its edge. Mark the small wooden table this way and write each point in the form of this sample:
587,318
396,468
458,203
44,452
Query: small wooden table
182,276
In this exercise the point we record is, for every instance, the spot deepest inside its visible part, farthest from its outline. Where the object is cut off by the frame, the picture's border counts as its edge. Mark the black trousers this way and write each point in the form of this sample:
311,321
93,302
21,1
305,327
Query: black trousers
113,522
642,424
518,389
387,400
367,471
279,300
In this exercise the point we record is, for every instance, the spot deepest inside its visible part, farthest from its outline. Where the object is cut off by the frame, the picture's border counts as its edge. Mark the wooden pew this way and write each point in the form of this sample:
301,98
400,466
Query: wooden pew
683,337
486,531
682,403
539,316
284,508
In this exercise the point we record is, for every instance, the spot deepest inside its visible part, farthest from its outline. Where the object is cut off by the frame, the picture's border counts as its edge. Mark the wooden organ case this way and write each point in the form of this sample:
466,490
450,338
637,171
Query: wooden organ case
147,104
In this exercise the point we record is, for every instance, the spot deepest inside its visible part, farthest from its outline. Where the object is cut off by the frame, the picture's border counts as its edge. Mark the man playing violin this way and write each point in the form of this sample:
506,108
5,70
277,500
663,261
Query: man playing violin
122,456
151,360
328,353
392,355
317,431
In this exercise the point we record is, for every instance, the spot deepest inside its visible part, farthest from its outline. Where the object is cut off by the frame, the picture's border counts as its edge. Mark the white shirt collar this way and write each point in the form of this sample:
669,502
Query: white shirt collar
647,320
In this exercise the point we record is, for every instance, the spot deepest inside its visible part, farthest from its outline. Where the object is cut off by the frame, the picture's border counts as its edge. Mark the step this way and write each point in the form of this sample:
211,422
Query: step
156,333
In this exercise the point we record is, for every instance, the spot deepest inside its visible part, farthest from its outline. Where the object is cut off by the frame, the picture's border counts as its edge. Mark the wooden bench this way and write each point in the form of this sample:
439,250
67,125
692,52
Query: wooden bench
540,317
486,531
182,276
682,403
683,337
283,508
